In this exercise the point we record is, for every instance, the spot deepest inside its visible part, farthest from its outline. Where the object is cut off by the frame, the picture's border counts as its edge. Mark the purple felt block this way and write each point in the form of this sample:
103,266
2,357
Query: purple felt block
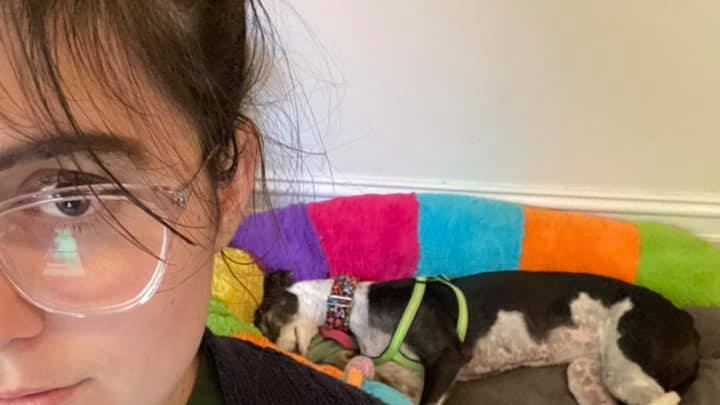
283,239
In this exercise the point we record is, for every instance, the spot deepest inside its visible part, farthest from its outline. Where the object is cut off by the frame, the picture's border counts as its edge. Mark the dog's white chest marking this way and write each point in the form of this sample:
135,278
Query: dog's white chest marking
509,345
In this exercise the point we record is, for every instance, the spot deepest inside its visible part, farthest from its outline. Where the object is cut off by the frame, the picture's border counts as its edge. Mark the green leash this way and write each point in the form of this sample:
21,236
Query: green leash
392,352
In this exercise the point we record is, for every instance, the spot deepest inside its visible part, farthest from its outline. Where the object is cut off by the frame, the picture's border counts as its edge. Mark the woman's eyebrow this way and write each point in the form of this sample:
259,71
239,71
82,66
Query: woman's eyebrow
64,144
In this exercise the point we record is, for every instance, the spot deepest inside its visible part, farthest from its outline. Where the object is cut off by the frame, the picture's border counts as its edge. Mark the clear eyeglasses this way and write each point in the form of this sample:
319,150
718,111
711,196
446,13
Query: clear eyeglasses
88,250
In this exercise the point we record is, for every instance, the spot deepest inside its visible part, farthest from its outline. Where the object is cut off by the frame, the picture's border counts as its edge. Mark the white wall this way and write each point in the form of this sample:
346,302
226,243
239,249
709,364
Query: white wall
611,99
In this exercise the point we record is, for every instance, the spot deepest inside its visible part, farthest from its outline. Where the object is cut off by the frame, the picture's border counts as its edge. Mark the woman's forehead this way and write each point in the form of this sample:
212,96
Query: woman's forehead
122,112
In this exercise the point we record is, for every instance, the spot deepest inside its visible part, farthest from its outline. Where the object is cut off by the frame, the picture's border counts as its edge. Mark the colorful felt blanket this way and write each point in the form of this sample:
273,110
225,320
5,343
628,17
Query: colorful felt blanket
383,237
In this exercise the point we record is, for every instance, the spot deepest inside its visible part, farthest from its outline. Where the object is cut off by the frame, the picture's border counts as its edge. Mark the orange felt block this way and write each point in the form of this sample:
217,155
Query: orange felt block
578,243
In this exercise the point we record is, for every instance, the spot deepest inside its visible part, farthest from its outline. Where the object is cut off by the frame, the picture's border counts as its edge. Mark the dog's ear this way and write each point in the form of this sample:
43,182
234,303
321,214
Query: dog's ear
278,281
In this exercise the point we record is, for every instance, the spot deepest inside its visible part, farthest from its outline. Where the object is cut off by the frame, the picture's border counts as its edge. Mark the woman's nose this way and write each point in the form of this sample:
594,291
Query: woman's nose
18,318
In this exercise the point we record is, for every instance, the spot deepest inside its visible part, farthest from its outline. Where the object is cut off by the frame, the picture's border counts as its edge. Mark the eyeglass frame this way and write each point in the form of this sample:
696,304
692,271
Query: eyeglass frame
178,197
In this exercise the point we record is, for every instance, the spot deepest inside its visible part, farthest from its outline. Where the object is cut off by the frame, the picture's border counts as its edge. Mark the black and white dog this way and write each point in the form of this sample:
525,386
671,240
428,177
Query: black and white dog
621,342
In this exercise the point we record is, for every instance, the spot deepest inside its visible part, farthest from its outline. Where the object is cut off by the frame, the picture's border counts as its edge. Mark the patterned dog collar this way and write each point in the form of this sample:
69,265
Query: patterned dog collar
339,304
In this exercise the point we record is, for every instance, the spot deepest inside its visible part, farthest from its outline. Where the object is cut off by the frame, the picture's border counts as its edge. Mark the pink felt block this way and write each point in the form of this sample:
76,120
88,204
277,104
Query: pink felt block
340,337
370,237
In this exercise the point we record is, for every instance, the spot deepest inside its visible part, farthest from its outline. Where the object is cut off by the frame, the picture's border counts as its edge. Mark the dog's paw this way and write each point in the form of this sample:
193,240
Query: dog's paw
670,398
585,382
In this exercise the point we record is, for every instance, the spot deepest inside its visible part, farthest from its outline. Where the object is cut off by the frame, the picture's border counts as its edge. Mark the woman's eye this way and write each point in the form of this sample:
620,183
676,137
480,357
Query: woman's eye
74,208
69,209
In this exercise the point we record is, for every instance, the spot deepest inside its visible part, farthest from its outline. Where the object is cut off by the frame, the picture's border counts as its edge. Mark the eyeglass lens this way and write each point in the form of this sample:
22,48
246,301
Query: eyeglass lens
82,254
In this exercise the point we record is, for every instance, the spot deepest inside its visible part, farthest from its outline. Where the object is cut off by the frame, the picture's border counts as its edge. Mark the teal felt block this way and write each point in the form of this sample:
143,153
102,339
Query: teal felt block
385,393
462,235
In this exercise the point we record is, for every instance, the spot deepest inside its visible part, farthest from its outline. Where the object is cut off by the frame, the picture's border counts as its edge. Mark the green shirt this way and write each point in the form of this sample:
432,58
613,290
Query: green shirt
207,386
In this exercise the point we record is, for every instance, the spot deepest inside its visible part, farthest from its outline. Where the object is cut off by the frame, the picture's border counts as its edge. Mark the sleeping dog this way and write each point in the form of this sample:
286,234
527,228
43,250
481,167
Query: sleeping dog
621,342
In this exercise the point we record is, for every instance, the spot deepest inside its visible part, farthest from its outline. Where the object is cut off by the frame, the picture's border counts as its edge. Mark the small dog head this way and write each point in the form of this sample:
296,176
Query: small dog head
670,355
681,368
279,316
279,306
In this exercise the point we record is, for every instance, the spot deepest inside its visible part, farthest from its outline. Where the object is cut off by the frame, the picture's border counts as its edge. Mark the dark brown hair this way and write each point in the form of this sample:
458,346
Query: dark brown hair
205,57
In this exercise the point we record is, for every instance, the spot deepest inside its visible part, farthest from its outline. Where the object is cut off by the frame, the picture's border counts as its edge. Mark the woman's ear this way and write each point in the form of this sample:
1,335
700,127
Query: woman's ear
235,193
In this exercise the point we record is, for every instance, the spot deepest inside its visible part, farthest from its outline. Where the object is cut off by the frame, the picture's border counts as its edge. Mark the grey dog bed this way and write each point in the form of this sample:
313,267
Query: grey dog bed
548,386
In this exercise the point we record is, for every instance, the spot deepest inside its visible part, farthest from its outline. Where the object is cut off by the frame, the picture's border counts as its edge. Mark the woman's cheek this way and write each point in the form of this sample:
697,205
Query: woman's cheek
142,355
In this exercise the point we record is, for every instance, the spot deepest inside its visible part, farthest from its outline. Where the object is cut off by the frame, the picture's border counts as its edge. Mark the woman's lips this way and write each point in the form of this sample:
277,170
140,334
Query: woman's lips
53,396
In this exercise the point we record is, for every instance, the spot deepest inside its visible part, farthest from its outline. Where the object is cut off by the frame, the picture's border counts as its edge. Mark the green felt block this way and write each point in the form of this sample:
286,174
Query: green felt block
321,349
679,265
221,321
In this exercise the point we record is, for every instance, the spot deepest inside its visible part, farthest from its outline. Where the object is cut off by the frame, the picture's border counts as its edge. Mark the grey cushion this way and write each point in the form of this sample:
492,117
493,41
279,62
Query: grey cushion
548,386
707,322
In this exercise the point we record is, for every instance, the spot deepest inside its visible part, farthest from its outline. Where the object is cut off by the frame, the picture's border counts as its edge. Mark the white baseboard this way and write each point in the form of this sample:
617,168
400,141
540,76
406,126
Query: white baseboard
698,212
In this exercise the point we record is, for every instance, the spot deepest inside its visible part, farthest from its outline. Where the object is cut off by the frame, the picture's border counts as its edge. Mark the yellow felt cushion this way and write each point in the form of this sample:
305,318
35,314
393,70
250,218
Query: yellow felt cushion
238,282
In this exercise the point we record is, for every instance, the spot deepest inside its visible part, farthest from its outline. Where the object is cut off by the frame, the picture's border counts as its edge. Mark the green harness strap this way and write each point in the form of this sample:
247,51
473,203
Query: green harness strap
392,352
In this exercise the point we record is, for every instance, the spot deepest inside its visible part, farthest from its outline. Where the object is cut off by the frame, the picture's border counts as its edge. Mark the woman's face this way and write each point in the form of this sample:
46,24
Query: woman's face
144,355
